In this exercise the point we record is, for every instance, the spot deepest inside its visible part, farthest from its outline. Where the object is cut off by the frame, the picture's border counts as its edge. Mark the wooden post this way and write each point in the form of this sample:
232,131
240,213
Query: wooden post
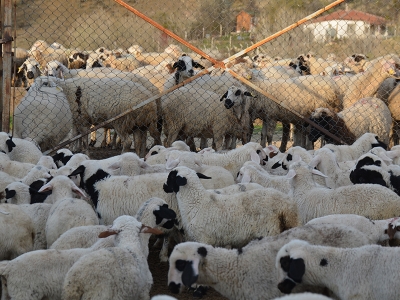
7,63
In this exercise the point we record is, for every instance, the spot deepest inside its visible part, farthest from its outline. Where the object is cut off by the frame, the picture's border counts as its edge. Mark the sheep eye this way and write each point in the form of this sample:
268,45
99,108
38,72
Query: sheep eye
238,92
180,264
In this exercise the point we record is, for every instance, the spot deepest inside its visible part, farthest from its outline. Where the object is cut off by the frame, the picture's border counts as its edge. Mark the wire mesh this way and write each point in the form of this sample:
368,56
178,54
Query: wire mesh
94,65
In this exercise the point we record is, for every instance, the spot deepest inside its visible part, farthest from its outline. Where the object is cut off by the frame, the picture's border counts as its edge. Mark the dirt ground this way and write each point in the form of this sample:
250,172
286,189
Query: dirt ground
157,268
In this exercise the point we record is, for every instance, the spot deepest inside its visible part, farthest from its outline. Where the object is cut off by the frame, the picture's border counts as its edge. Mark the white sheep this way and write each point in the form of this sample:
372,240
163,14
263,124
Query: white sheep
348,273
275,210
17,231
377,230
14,168
362,145
371,200
154,212
66,211
366,115
103,98
133,280
18,274
325,161
250,172
157,153
304,296
366,83
22,150
249,272
39,212
234,159
28,71
221,177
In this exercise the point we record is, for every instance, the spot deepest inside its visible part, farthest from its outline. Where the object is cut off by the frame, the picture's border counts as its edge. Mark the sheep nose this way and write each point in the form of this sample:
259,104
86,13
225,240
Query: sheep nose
30,75
191,72
228,103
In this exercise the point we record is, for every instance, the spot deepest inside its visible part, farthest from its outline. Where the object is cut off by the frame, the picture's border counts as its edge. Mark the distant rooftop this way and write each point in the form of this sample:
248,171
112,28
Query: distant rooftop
352,15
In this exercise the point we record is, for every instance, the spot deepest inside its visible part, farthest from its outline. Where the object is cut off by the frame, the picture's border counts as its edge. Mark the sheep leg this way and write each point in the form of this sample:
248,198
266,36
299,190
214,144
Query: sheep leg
285,136
106,139
139,140
267,131
172,136
92,137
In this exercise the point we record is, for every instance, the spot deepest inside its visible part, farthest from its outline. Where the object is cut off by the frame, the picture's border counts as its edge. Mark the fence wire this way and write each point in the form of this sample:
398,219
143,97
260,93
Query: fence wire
82,66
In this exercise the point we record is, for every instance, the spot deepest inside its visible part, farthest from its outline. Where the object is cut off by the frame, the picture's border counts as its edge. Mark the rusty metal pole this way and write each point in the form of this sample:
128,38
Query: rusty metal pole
7,63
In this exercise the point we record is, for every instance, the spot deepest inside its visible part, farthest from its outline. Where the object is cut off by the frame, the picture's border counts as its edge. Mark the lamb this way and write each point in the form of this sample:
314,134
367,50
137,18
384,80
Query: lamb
362,145
62,156
214,266
233,160
14,168
180,117
299,262
133,280
366,115
152,157
376,175
172,51
250,173
130,164
47,162
325,161
154,212
93,106
21,193
198,206
371,200
54,264
221,176
17,231
22,150
44,53
28,71
66,212
365,84
287,93
126,63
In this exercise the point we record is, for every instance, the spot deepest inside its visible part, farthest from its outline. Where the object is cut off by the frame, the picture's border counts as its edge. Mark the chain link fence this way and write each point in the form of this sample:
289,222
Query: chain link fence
251,70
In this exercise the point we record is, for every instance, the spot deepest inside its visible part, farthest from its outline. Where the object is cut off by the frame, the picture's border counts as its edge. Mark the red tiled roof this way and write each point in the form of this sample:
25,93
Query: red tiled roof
353,15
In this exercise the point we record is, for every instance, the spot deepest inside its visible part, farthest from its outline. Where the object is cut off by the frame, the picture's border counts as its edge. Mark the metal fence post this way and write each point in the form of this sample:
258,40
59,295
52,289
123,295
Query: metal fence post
6,41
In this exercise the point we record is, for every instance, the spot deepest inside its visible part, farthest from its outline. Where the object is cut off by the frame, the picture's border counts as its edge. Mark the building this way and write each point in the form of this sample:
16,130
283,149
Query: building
244,22
346,24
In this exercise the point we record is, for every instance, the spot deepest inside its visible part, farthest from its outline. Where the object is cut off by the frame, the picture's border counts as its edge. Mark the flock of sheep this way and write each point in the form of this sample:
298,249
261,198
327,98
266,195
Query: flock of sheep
252,222
71,91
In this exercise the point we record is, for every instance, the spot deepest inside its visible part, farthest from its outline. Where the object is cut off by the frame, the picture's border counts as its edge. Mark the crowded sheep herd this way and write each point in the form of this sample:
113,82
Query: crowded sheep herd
252,221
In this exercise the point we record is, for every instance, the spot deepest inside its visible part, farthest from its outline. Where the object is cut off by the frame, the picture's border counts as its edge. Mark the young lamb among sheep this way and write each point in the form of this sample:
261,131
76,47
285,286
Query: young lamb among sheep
358,273
273,209
374,201
249,272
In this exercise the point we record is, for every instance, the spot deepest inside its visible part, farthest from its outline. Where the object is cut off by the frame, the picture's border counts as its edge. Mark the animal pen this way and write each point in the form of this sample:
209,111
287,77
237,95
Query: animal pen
97,73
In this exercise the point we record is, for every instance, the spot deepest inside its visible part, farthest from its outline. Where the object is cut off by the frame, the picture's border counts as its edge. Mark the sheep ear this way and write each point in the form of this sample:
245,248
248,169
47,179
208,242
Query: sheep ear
255,157
143,164
78,171
316,172
224,96
10,144
391,154
190,272
172,163
202,176
147,229
246,178
291,174
78,191
315,161
108,232
45,188
197,65
115,166
249,94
